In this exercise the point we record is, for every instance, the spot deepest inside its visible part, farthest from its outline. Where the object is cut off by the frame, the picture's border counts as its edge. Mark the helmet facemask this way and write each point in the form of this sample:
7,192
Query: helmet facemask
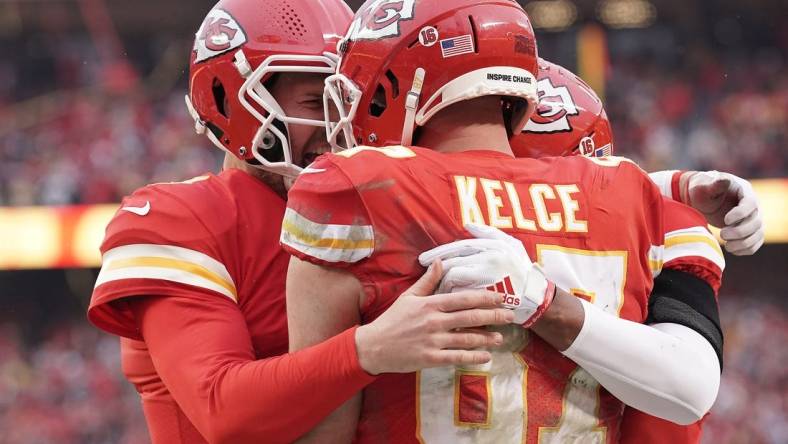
342,96
273,133
274,124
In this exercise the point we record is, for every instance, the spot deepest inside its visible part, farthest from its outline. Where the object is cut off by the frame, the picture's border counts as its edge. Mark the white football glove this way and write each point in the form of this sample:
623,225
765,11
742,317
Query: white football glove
730,203
498,262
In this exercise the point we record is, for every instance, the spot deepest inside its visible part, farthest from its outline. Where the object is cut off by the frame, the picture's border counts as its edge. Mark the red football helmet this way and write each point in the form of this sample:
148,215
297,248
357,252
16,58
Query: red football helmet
403,61
569,120
239,46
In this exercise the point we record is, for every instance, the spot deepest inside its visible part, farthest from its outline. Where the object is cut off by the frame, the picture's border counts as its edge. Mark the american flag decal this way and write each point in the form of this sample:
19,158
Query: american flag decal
457,46
605,151
504,286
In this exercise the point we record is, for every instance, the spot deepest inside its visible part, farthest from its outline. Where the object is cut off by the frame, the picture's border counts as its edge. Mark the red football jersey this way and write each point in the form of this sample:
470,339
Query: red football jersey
213,364
595,225
186,238
201,235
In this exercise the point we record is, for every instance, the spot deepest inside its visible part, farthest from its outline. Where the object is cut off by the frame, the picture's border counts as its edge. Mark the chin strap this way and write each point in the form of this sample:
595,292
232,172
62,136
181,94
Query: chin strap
411,103
199,124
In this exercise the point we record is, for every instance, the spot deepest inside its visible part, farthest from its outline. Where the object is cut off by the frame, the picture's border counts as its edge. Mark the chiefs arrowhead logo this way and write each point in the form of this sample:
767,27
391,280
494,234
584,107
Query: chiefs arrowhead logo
380,19
555,107
218,34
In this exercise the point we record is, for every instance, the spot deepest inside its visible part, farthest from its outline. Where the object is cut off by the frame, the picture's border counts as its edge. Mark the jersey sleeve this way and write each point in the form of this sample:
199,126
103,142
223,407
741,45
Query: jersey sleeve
206,360
156,245
326,221
689,245
165,419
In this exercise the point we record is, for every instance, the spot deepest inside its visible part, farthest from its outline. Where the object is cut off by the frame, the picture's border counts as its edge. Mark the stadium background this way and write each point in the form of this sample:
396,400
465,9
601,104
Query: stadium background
91,107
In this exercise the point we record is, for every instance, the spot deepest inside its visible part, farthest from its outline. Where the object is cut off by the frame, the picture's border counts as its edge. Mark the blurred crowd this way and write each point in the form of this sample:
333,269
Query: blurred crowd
98,132
752,406
68,388
100,148
708,115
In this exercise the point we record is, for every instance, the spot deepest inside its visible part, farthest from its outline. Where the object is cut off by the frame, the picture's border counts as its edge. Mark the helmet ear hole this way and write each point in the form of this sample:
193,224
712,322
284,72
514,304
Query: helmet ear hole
270,148
394,84
269,140
220,98
378,104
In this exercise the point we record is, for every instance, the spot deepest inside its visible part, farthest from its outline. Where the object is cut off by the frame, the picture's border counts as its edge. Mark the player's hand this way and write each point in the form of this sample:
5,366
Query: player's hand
730,203
495,260
422,330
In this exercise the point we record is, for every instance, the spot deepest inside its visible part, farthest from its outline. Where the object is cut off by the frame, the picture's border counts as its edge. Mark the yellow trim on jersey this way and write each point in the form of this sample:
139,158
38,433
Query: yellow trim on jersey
327,242
655,259
688,239
458,374
418,408
693,241
169,263
162,262
322,242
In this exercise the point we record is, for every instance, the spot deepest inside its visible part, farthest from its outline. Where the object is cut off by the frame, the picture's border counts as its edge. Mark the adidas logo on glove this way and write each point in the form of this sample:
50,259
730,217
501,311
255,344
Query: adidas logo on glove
505,287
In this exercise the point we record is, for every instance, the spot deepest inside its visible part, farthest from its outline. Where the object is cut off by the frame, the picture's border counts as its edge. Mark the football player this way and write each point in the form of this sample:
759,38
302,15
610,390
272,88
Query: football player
192,274
572,121
444,69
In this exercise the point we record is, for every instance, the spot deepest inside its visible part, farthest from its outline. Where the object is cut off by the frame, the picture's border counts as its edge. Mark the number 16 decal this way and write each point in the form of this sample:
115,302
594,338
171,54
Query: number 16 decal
428,36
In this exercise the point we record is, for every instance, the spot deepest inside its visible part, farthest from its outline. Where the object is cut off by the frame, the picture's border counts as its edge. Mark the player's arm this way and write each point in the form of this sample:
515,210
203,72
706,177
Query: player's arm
727,201
320,303
203,352
420,330
644,366
685,290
